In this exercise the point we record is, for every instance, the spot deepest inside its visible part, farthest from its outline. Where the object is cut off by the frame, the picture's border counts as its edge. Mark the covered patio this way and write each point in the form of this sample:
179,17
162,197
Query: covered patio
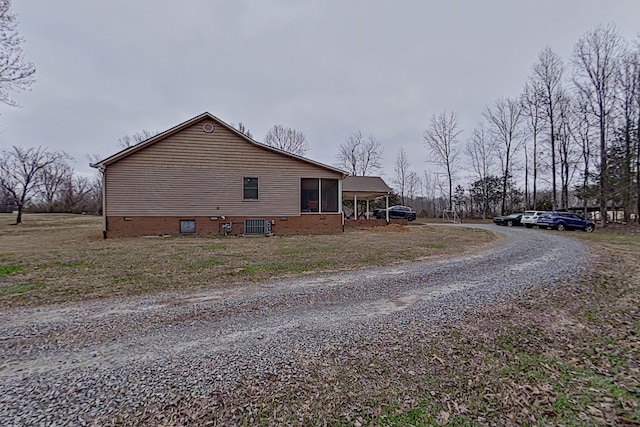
365,188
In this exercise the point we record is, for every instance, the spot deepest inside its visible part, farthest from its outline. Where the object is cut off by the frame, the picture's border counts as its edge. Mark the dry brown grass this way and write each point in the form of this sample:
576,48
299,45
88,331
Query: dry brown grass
567,355
53,258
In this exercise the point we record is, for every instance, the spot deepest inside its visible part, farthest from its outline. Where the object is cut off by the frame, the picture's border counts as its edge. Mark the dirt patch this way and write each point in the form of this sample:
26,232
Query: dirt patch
632,228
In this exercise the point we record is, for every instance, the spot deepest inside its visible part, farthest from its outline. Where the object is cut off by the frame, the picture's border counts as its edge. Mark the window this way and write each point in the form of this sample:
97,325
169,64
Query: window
329,197
309,195
318,195
250,188
187,226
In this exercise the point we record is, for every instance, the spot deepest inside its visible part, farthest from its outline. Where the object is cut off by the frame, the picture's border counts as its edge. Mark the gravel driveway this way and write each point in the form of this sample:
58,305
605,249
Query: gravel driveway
90,362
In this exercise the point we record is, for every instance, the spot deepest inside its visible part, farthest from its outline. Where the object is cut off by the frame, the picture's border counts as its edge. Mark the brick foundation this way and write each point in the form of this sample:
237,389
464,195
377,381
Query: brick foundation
206,226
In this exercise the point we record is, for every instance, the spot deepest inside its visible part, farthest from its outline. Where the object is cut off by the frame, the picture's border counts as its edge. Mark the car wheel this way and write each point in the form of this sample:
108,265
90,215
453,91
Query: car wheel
561,227
509,223
589,228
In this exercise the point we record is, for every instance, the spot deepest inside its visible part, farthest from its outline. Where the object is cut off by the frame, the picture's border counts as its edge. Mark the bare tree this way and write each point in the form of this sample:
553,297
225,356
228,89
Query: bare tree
54,177
243,129
21,173
370,156
582,134
441,137
547,77
565,144
287,139
481,153
504,120
628,85
360,155
5,200
413,185
136,138
637,59
95,193
76,196
15,73
532,109
596,58
402,172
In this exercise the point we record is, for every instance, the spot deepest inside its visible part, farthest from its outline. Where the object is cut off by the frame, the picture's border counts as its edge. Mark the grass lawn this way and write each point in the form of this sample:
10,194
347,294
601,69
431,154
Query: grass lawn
565,355
54,258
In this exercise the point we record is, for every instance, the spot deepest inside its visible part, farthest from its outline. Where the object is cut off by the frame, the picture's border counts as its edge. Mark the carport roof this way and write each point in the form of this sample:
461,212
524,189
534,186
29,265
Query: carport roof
364,187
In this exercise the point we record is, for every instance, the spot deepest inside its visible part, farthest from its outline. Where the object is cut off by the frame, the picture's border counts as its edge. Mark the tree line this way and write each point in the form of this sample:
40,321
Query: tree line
569,140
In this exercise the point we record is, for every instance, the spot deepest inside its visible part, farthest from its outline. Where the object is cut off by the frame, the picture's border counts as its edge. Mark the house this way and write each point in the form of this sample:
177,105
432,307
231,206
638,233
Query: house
204,177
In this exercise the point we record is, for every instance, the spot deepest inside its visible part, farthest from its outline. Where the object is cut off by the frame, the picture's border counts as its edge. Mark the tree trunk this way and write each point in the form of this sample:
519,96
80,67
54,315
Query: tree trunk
638,167
504,190
526,178
535,172
585,183
628,181
564,196
603,171
564,176
554,195
19,217
450,188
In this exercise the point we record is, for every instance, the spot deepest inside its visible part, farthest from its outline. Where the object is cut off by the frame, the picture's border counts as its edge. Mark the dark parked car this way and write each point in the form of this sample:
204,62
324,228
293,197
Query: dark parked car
565,221
396,212
509,220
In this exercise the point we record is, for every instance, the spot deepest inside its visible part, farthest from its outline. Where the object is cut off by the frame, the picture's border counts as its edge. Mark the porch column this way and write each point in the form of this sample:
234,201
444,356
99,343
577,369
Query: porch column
355,206
340,197
367,209
319,195
387,208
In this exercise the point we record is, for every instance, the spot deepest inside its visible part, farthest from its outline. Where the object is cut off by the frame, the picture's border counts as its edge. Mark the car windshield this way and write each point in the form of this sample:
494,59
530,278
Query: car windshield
530,213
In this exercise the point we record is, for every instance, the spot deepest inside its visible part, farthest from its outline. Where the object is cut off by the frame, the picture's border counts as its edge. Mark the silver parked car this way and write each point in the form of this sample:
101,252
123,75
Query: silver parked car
529,218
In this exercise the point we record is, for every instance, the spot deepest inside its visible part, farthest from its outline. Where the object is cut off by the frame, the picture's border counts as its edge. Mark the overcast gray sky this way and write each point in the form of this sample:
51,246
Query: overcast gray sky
327,68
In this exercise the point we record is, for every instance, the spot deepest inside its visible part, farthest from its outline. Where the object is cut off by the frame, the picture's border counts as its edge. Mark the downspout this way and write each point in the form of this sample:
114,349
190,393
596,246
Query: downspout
103,170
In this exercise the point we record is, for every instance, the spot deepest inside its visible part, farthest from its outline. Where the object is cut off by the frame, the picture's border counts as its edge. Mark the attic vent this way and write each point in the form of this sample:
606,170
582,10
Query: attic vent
207,127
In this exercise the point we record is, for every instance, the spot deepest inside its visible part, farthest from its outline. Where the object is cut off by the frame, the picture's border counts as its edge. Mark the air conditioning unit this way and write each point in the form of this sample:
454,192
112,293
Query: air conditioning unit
257,227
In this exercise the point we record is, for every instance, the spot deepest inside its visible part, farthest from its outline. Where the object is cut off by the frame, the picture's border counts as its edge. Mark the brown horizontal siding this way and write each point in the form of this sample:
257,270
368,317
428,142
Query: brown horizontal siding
118,226
198,173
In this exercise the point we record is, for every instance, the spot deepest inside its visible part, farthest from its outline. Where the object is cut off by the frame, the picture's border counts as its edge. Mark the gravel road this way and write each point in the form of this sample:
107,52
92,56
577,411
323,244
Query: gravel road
89,363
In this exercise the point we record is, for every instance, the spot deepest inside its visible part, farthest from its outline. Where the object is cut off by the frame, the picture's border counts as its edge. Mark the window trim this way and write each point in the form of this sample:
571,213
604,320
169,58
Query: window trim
244,189
320,194
302,211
